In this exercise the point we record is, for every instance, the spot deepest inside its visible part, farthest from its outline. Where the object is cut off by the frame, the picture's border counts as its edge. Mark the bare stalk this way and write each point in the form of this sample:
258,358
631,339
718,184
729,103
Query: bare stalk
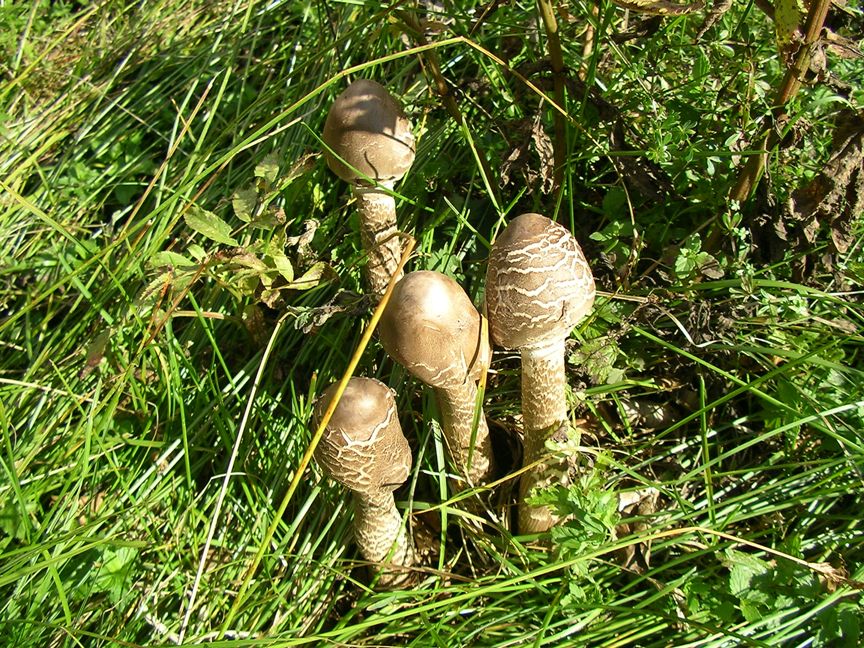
752,172
381,537
556,58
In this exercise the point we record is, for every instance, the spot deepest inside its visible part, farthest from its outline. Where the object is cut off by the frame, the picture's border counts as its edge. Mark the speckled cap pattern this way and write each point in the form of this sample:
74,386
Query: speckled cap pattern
538,283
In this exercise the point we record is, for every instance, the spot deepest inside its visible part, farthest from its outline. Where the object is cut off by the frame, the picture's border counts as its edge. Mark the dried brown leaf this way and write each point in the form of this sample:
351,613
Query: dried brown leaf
835,197
640,503
546,152
532,156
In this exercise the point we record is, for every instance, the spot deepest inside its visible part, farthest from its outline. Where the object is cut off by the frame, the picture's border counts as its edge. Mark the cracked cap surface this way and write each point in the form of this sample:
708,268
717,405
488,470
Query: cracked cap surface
363,446
538,283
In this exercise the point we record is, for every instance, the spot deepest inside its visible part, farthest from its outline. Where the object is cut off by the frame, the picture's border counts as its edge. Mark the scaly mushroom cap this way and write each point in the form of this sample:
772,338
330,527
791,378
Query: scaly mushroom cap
432,329
538,284
363,446
367,131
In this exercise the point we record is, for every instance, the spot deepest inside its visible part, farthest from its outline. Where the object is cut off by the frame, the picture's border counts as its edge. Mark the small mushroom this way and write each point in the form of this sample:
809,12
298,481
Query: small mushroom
538,286
371,146
432,329
364,449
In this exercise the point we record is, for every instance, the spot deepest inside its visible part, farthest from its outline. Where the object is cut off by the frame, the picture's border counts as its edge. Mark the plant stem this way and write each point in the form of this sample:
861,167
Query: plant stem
433,65
379,235
556,58
752,172
381,536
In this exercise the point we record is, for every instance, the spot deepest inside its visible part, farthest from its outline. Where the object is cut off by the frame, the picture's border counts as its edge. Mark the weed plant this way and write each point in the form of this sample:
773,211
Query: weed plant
180,277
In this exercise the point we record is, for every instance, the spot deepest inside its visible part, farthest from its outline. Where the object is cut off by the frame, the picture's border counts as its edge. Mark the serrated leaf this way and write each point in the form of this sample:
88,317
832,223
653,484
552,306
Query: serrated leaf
169,258
243,202
210,225
684,265
243,272
276,244
271,298
12,519
197,252
146,299
751,612
659,7
114,571
153,293
269,219
743,568
246,260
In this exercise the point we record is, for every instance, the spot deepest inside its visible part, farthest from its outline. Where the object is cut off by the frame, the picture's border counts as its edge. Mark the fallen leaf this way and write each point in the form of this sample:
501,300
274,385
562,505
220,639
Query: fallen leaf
835,197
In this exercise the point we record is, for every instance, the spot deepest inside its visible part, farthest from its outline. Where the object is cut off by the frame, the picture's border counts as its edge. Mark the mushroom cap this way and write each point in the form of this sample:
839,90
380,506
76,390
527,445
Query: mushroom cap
432,328
367,131
363,446
538,283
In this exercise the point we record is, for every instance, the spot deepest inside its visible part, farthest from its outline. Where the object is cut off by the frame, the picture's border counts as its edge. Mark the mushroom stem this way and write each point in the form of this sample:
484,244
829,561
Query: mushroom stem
544,413
458,405
381,536
379,235
431,328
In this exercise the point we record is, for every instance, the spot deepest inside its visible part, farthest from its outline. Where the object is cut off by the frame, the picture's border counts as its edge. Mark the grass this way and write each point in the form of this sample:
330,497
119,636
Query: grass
156,383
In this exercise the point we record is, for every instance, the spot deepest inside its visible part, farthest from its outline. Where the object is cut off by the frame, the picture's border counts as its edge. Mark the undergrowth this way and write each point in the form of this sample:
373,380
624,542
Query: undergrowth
180,277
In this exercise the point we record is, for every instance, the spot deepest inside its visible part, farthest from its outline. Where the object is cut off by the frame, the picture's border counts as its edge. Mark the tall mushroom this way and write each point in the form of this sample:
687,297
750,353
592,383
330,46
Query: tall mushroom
538,286
371,146
364,449
431,328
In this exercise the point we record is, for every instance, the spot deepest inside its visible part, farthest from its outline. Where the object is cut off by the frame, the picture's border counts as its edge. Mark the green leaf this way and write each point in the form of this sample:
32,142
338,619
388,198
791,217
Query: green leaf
615,203
283,265
684,265
743,569
752,613
317,273
13,521
268,168
169,258
198,253
243,202
269,219
114,571
210,225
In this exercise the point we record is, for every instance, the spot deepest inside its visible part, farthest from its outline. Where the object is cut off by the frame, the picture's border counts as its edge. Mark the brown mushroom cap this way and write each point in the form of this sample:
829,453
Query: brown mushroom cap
538,284
367,131
363,446
432,329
